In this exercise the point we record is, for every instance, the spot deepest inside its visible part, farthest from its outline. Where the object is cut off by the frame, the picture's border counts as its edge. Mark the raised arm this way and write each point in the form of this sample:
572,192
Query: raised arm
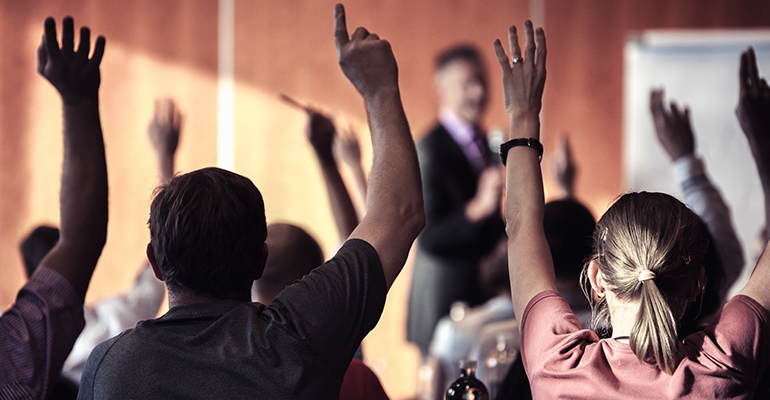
753,113
321,132
529,258
83,198
395,213
675,133
347,149
163,131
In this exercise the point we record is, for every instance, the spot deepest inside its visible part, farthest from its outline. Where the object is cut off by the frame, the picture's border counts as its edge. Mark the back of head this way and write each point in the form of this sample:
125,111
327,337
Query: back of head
293,253
569,227
36,245
208,229
650,249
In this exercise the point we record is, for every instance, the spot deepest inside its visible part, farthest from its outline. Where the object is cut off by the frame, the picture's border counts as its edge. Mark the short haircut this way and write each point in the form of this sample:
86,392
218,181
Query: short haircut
36,245
464,52
292,254
207,230
569,228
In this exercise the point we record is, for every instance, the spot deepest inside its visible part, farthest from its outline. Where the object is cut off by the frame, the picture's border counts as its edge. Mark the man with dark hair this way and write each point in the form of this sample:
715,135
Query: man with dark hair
208,244
462,185
38,331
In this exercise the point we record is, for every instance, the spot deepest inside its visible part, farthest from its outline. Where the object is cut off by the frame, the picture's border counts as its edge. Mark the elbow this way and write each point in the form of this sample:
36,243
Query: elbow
413,217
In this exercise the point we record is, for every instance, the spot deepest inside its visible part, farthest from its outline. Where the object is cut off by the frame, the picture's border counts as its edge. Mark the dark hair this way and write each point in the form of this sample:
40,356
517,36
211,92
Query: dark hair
293,253
465,52
36,245
207,229
569,227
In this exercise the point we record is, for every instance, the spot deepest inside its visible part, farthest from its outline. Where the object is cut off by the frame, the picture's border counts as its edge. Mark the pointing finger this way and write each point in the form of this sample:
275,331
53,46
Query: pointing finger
341,37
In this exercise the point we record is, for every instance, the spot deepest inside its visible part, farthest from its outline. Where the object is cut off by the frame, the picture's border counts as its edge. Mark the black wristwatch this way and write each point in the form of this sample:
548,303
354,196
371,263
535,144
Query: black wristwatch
529,142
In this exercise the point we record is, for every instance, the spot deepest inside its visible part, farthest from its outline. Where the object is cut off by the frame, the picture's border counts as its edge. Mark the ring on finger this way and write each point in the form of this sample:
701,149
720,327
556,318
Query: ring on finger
517,60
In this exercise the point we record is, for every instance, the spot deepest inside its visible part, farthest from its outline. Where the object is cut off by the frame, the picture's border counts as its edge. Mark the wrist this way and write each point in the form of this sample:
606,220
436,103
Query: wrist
385,93
525,126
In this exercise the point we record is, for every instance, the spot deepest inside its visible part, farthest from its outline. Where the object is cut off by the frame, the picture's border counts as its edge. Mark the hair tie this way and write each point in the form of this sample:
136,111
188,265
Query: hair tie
646,275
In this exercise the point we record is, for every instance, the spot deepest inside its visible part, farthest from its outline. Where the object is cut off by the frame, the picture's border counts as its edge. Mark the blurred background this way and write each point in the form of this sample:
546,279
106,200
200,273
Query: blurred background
226,62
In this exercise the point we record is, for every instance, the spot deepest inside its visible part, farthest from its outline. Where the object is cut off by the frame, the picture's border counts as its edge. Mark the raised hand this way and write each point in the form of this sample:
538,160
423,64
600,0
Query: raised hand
753,109
347,148
165,126
672,126
366,61
564,168
164,131
320,133
523,82
72,73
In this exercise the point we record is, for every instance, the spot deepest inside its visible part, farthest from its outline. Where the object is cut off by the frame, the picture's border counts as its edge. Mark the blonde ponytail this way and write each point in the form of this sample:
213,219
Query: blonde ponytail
650,249
654,336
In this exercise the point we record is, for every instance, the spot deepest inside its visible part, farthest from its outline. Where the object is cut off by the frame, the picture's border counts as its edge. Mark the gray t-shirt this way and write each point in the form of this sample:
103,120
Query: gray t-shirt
297,348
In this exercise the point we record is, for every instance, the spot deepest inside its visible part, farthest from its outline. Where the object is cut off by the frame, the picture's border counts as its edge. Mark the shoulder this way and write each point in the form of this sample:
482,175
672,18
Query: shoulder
737,339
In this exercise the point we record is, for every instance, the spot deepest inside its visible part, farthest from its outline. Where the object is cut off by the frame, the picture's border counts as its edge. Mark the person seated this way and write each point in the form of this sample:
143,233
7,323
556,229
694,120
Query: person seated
294,253
39,330
647,264
208,233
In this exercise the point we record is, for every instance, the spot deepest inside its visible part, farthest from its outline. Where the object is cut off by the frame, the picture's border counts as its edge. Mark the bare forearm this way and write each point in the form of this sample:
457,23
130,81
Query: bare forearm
395,213
83,198
530,264
166,167
342,206
394,185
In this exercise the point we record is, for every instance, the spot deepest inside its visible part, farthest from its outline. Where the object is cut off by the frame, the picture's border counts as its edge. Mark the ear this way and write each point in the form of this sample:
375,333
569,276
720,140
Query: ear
697,287
260,268
595,276
154,262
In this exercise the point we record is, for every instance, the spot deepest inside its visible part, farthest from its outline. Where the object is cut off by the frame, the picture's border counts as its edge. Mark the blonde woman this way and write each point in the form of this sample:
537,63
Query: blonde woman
647,265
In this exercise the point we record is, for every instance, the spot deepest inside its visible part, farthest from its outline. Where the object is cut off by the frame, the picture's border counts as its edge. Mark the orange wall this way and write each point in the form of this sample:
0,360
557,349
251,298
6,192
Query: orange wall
169,48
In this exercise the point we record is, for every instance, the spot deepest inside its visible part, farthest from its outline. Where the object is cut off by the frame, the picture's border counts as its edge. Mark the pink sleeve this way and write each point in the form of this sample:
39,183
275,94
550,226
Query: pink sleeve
37,334
737,339
547,320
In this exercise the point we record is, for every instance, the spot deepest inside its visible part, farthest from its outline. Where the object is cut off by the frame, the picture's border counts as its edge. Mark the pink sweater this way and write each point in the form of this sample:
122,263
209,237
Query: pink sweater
724,361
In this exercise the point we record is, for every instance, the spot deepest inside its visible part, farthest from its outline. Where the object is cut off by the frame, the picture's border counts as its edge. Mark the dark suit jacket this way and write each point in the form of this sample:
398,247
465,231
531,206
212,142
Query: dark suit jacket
450,246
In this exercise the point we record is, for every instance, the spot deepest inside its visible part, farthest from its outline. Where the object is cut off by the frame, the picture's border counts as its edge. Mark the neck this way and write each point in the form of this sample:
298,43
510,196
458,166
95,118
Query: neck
178,297
622,314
